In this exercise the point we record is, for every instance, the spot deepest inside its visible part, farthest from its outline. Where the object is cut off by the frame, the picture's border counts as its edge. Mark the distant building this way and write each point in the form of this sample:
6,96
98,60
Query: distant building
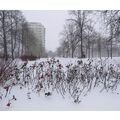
39,33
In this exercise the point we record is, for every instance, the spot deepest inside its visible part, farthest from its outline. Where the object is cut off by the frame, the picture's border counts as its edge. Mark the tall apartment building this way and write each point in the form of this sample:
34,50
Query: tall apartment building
37,49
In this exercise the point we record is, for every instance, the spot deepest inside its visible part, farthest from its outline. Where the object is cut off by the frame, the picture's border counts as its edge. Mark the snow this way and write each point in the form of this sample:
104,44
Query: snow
94,100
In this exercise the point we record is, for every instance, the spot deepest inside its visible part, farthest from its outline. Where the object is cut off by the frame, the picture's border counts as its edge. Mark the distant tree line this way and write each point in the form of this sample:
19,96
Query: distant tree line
80,38
15,35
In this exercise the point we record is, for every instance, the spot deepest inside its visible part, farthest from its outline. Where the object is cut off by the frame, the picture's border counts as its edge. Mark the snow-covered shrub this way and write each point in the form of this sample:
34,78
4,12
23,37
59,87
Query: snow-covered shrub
25,58
74,79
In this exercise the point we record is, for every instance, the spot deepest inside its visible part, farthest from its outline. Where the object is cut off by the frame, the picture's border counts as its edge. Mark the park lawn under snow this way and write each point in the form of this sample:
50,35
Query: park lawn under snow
94,100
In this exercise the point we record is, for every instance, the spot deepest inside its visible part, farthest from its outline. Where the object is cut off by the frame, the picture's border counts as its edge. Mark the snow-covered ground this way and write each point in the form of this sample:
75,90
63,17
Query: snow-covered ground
93,101
27,99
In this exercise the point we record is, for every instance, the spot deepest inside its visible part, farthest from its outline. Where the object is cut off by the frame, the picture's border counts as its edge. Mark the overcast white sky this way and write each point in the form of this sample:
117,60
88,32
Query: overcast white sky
53,20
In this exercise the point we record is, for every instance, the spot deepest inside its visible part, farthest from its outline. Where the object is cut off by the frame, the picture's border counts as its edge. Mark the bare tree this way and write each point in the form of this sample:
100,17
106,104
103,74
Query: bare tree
4,31
69,39
112,21
10,23
80,20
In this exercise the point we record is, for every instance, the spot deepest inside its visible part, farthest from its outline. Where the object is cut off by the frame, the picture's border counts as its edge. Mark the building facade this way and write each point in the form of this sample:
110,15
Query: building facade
38,30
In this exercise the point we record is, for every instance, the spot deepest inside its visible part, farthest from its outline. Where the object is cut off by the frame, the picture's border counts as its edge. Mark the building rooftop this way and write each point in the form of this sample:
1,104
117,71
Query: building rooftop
36,23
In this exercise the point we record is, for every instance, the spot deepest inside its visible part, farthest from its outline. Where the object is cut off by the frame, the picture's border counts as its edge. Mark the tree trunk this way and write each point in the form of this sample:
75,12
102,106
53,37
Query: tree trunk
12,42
72,52
99,48
92,49
81,48
107,51
4,37
111,48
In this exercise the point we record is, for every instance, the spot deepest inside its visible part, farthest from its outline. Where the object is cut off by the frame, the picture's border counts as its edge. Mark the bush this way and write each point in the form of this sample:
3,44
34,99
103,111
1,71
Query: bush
25,58
5,71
